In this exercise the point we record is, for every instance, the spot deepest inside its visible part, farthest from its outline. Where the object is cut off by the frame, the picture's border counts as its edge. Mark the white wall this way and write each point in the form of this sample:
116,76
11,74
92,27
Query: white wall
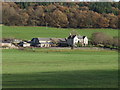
85,40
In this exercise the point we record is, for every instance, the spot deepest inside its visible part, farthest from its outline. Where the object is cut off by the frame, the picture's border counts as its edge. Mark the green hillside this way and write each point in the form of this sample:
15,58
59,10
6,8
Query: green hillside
31,32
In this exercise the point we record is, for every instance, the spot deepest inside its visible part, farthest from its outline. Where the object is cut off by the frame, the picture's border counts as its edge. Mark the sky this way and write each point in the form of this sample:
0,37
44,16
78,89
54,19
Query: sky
60,0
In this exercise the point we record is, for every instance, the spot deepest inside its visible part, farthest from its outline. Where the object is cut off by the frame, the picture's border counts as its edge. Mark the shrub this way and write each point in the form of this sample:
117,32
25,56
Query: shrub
116,41
101,38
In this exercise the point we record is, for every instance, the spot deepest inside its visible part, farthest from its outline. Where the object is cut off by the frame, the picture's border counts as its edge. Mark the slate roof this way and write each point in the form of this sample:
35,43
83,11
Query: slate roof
62,39
44,39
59,39
81,37
71,36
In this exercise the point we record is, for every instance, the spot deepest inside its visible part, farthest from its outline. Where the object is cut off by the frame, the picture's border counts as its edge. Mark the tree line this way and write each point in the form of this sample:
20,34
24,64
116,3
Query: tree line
65,15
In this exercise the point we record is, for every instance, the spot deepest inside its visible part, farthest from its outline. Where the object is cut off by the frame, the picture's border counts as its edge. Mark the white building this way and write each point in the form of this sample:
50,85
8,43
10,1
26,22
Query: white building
73,40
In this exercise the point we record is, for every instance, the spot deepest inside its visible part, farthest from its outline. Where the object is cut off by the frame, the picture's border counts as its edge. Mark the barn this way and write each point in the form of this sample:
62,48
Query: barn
41,42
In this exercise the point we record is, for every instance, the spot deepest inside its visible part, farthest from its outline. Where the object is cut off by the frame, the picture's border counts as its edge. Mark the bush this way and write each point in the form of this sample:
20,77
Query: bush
116,41
101,38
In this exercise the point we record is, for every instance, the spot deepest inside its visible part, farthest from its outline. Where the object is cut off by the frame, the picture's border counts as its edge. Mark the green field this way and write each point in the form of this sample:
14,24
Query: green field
50,68
58,68
32,32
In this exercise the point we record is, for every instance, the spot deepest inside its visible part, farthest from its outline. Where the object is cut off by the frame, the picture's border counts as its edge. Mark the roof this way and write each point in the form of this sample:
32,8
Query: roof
62,39
44,39
81,37
59,39
71,36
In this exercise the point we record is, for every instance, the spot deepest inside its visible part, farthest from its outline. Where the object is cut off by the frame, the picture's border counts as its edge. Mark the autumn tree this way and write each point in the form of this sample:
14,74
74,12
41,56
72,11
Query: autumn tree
36,16
102,22
10,13
73,15
57,19
50,8
73,22
113,20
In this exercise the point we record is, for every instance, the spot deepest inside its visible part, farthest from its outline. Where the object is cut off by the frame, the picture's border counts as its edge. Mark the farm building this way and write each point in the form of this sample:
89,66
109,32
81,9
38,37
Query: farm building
72,40
41,42
75,39
83,40
24,44
8,43
62,42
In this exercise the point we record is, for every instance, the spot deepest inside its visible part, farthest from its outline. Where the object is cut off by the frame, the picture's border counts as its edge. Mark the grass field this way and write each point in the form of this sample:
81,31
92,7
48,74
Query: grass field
58,68
31,32
50,68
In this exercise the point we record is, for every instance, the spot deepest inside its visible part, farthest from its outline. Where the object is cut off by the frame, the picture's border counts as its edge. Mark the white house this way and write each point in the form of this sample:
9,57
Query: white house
83,40
72,40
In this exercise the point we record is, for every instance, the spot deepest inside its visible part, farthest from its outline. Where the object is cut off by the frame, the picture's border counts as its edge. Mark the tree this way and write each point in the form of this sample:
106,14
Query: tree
101,38
101,7
102,22
113,20
116,42
10,13
36,16
73,15
119,20
57,19
50,8
73,22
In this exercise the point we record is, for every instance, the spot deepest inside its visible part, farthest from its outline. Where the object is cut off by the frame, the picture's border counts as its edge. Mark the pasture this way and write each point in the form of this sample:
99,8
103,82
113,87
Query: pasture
27,32
50,68
57,68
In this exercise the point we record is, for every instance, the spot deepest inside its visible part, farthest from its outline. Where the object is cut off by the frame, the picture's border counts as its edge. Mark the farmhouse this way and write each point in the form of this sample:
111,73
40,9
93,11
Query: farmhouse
72,40
83,40
41,42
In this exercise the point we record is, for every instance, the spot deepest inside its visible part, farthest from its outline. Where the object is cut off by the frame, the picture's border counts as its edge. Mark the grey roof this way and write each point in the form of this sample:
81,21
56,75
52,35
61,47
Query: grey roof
80,37
44,39
59,39
62,39
71,36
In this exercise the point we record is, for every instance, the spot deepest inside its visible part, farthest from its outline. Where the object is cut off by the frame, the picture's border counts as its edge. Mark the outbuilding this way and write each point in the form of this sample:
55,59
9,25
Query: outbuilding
41,42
